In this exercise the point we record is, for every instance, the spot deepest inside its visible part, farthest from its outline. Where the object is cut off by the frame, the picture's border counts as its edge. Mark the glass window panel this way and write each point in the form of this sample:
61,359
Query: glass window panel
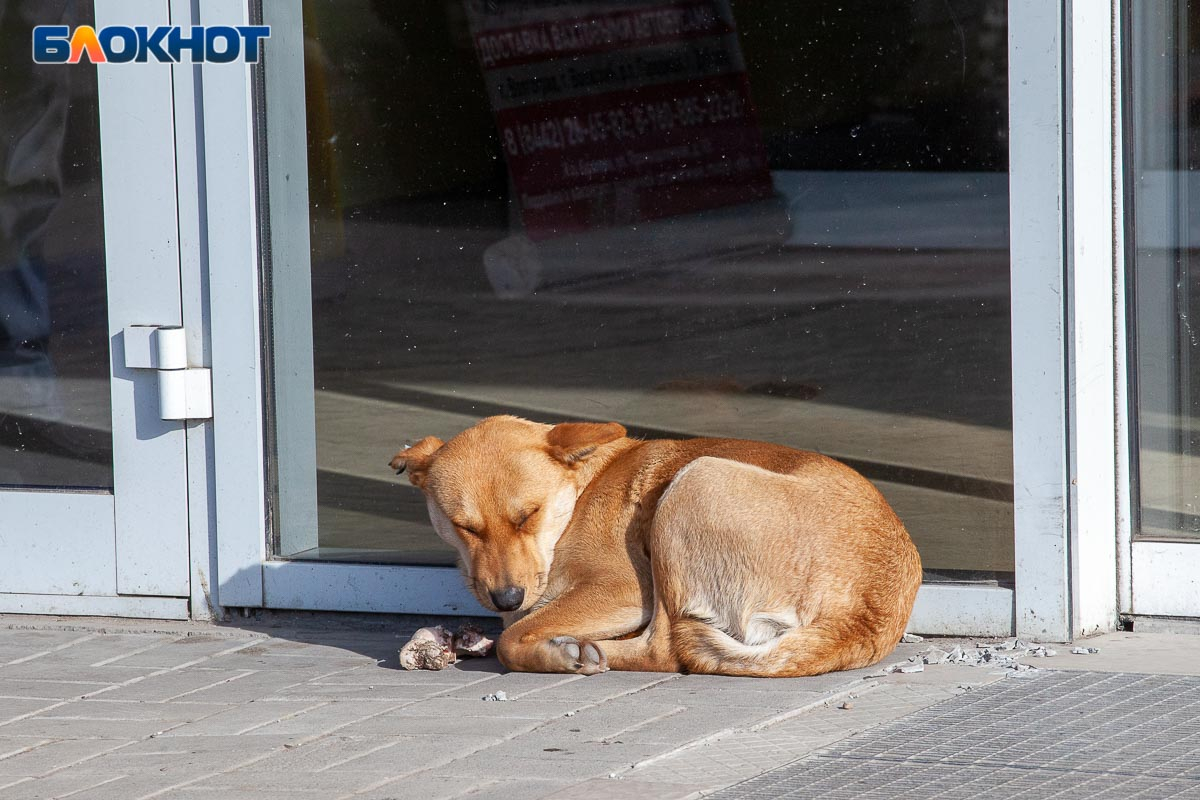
55,416
1163,122
765,220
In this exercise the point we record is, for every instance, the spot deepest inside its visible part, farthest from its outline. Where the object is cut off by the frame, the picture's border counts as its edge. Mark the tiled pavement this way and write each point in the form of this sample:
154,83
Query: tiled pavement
112,709
1066,735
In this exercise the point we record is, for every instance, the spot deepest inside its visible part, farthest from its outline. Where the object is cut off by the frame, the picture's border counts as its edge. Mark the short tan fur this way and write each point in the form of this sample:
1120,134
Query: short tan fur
717,556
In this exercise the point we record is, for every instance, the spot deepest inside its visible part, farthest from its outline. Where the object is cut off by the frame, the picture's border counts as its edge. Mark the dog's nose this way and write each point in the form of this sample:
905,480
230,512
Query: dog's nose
509,598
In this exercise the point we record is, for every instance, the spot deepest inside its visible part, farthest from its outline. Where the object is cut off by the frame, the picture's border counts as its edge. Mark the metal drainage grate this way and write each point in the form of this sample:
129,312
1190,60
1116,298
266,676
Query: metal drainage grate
1060,734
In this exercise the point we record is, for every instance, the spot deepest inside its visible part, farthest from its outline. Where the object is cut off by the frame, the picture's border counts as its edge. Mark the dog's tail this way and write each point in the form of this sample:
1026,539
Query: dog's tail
810,650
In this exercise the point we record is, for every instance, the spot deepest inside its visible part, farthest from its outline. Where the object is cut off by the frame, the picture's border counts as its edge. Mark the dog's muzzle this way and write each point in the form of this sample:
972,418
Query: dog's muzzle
508,598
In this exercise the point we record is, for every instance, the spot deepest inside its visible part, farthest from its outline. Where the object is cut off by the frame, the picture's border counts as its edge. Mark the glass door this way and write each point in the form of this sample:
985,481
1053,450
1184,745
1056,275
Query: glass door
93,489
1163,179
691,218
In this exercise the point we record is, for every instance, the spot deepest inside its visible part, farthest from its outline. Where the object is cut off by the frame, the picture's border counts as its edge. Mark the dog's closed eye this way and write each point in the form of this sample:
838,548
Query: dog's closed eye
524,517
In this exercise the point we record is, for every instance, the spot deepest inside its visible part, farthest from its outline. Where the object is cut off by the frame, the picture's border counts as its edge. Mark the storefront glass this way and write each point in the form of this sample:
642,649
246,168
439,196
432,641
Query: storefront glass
55,418
755,219
1163,183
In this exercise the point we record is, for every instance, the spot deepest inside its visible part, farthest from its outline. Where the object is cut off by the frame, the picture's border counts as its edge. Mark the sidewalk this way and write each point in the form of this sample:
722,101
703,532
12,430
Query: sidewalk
315,707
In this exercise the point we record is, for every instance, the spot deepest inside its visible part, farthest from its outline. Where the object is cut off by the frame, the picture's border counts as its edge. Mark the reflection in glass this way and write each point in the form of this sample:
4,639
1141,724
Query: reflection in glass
55,417
765,220
1164,159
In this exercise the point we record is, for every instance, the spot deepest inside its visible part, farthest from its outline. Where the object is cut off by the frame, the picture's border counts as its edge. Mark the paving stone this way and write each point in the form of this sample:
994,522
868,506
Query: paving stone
68,782
518,684
608,685
99,709
225,793
487,765
175,652
170,768
251,660
57,754
52,727
130,650
468,707
242,719
16,644
167,685
401,723
420,753
134,787
14,745
614,789
332,784
764,701
45,690
424,786
617,751
11,709
375,675
108,675
830,682
242,687
525,788
323,718
606,721
231,750
394,693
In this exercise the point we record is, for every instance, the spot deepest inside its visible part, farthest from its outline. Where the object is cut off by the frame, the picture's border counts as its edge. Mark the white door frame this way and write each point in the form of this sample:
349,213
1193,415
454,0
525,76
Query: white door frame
1064,209
1158,578
132,542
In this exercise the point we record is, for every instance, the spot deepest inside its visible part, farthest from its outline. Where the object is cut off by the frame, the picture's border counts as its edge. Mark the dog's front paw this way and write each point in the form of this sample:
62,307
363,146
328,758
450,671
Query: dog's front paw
580,655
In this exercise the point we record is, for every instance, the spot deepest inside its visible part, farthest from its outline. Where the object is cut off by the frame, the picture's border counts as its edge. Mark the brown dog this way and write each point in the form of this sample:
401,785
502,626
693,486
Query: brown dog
706,555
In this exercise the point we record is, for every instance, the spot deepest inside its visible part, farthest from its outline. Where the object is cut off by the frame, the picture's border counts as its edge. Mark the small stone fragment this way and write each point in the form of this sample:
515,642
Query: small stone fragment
911,638
1084,651
845,705
907,668
935,655
495,697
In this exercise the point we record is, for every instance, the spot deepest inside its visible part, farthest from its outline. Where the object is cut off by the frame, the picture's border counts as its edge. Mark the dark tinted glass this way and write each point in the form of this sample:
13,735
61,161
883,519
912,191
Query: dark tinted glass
55,418
769,220
1164,163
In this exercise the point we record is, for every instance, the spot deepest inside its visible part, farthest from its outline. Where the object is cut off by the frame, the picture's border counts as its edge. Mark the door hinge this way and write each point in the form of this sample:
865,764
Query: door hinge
183,392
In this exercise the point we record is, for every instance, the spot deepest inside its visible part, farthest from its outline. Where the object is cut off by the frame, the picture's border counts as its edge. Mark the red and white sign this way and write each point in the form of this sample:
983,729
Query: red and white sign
613,113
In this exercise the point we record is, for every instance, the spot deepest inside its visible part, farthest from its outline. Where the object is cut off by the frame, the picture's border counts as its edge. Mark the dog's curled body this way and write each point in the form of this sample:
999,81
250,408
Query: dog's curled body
703,555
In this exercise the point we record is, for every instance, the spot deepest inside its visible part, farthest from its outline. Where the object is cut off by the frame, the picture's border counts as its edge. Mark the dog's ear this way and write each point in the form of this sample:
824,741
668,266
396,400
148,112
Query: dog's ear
572,442
416,459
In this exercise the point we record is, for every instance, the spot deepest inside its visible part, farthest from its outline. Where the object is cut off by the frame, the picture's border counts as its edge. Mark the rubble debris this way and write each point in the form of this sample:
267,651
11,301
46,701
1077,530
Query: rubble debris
845,705
911,638
437,648
935,655
1084,651
495,697
1005,654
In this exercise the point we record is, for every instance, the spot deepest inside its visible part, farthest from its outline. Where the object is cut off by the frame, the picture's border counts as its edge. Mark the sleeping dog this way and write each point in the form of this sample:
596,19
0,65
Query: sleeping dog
717,556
